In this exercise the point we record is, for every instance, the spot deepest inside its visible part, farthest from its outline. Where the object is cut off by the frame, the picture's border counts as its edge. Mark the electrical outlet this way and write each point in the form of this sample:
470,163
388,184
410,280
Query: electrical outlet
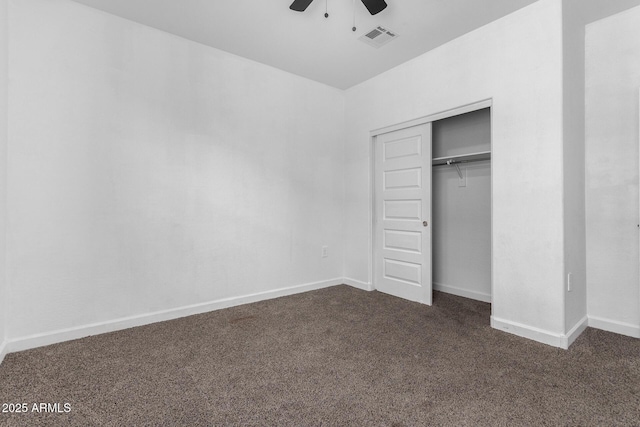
325,251
569,279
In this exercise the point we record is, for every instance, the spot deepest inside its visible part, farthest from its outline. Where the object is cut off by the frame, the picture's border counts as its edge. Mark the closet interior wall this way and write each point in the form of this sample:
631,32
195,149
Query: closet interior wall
462,207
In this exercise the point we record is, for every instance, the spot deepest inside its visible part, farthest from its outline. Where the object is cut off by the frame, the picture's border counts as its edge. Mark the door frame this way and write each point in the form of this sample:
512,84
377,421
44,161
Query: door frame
467,108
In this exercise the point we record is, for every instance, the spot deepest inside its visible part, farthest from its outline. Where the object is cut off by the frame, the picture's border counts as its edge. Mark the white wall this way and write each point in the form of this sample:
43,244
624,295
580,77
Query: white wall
576,14
573,165
148,172
3,168
462,231
612,84
516,61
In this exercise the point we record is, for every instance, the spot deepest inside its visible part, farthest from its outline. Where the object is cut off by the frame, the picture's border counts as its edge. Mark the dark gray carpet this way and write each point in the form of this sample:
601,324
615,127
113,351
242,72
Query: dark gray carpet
337,356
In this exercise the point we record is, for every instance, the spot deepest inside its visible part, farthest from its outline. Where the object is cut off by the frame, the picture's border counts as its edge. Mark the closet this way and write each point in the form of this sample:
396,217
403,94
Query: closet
431,207
461,205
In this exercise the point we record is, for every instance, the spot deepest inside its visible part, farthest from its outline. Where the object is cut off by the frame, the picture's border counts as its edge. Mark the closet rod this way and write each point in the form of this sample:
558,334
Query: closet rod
464,158
453,162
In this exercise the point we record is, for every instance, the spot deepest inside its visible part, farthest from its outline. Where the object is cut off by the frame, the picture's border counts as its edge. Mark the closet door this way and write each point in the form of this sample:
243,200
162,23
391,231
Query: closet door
402,213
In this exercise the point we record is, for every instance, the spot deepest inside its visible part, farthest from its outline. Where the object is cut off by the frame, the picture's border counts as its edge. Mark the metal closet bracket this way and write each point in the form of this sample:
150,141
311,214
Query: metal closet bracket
454,163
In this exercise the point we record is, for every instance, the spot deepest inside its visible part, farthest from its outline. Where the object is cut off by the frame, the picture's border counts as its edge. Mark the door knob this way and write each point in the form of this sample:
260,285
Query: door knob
425,223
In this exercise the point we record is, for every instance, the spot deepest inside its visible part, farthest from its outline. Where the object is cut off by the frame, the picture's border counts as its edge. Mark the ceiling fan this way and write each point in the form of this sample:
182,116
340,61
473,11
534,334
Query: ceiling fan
373,6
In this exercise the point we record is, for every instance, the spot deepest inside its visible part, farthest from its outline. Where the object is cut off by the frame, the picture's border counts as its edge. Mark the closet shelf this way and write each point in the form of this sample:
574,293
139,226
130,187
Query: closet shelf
461,158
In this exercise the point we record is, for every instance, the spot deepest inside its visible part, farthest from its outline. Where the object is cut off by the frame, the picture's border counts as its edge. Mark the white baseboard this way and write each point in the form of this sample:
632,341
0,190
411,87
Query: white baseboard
479,296
3,350
615,326
358,284
575,332
39,340
530,332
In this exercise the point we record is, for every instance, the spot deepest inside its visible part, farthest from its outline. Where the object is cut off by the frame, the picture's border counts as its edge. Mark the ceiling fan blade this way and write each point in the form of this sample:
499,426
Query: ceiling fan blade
300,5
374,6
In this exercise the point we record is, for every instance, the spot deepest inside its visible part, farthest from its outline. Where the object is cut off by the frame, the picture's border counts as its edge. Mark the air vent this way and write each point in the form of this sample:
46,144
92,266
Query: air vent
378,36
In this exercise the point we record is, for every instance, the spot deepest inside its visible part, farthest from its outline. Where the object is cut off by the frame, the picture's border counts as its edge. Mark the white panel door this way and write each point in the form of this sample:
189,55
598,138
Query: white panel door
402,214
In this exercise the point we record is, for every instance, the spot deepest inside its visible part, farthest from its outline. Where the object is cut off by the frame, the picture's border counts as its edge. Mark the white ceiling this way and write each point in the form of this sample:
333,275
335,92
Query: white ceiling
307,44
